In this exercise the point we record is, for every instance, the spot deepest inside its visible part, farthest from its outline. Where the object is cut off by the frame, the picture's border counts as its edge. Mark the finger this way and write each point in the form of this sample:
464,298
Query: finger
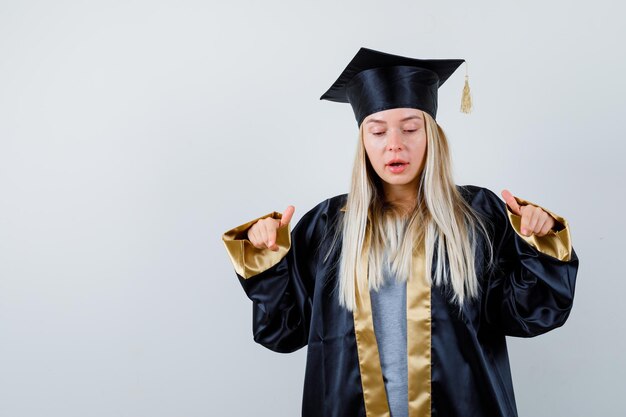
271,240
253,237
545,227
511,202
262,234
550,221
269,236
532,215
545,223
287,215
527,215
534,220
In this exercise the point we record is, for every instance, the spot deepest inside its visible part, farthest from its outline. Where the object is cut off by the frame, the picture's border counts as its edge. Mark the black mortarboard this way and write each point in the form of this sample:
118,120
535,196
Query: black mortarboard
375,81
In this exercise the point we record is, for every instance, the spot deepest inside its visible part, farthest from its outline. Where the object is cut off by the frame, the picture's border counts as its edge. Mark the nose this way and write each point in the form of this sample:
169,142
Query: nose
394,140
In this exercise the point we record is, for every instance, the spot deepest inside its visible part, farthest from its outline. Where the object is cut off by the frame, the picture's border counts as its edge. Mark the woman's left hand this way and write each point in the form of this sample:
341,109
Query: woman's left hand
534,219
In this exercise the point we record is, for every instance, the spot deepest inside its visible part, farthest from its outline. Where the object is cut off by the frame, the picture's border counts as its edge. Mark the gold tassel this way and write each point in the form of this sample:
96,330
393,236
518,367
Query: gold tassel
466,99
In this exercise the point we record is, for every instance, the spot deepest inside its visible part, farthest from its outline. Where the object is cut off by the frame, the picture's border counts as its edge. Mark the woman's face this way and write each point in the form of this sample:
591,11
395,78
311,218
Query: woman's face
396,135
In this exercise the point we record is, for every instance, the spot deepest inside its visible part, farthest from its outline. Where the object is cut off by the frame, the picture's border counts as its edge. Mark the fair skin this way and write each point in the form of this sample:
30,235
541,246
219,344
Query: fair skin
391,135
399,134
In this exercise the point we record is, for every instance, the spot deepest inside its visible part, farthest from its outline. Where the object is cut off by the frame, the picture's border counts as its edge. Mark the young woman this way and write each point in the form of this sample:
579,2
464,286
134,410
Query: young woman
404,288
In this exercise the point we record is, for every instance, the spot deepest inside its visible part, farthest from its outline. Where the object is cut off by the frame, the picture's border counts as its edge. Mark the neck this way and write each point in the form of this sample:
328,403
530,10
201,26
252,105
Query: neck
402,196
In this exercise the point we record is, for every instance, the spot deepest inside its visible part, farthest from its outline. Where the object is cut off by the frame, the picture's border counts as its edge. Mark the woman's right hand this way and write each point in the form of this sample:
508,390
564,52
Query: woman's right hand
262,234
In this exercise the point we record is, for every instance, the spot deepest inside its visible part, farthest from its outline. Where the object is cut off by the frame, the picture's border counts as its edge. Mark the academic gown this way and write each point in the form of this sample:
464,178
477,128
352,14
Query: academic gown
458,363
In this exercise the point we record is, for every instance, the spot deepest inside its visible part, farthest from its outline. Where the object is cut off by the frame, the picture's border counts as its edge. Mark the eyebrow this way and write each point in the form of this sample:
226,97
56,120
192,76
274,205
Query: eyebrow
403,120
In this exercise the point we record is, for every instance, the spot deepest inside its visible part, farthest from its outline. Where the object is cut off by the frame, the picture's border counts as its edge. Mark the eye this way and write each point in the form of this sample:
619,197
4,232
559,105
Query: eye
410,130
378,133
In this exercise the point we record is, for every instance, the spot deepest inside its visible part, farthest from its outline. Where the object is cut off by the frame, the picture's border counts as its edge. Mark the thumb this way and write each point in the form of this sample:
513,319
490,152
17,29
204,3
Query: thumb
287,214
511,202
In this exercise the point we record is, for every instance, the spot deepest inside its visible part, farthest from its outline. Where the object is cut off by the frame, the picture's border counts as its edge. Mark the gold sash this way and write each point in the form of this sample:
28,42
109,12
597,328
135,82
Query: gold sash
418,342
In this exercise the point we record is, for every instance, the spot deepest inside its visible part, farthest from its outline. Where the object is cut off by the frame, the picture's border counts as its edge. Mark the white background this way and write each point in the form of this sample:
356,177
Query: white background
134,133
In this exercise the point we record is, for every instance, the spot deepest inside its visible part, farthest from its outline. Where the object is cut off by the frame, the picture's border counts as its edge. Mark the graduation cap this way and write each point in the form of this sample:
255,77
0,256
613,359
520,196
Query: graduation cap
374,81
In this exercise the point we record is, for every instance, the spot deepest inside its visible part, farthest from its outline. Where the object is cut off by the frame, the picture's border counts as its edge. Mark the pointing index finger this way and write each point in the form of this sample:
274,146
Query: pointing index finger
511,202
287,214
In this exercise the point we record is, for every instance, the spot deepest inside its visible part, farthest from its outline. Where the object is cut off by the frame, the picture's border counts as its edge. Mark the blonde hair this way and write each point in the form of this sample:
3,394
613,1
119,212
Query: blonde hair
441,220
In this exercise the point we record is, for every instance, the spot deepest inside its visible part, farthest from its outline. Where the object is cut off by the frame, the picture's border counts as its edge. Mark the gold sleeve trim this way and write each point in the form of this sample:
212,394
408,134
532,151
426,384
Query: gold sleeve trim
247,259
557,243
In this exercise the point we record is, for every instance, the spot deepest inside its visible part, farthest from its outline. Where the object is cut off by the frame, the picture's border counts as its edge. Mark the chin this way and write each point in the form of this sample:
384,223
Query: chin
397,181
405,178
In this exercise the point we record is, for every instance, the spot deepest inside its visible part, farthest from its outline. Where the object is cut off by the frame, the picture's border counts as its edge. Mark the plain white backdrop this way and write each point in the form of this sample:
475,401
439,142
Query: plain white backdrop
134,133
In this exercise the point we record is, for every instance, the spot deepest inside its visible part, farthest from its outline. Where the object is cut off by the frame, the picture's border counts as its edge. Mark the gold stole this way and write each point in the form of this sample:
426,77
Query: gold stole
418,316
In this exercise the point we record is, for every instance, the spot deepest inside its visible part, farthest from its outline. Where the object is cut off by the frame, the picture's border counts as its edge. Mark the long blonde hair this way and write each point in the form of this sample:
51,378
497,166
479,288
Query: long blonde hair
441,220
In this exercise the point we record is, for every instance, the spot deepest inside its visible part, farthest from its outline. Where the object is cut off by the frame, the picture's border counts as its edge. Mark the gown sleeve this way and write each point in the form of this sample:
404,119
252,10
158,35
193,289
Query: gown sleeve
280,284
530,289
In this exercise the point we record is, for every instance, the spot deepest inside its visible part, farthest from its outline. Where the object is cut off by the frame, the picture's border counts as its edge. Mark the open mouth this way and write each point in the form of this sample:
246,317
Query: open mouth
397,167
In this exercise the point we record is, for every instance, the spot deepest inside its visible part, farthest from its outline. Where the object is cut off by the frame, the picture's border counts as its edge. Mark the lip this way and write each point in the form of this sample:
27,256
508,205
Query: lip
398,169
393,161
